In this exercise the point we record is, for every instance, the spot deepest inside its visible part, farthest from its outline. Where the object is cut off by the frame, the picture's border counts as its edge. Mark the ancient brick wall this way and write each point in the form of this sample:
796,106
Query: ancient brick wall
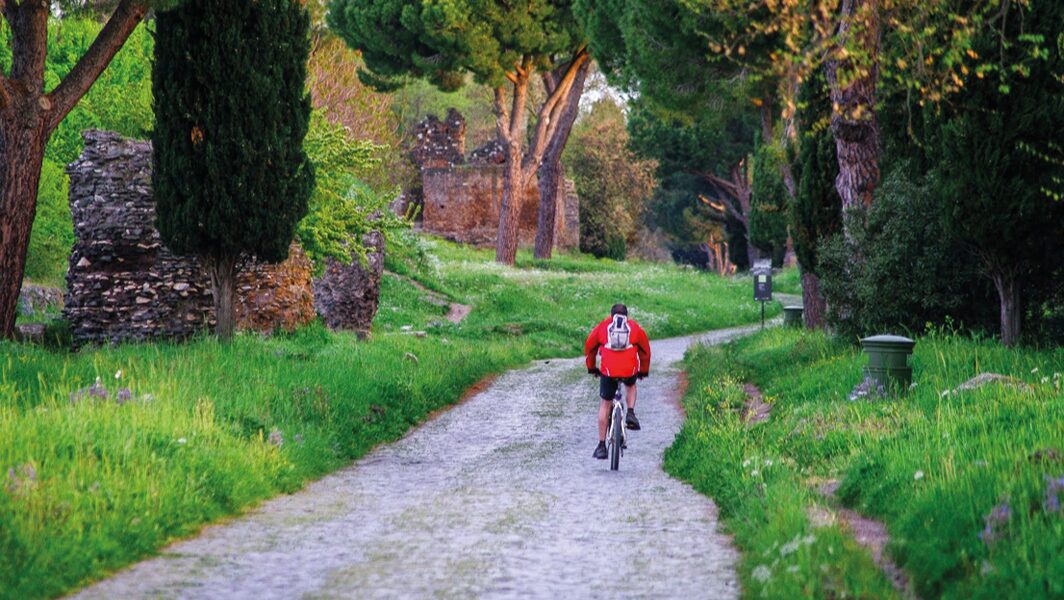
124,284
462,197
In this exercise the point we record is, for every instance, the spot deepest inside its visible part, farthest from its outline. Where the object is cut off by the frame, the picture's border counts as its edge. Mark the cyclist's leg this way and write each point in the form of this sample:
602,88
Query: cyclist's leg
604,418
607,388
629,395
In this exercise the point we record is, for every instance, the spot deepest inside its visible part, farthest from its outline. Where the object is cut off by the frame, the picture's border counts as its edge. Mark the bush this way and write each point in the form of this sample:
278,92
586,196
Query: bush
912,271
53,230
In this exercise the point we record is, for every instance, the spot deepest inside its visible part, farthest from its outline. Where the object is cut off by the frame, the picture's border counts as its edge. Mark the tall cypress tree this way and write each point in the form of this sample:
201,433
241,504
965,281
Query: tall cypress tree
231,178
816,212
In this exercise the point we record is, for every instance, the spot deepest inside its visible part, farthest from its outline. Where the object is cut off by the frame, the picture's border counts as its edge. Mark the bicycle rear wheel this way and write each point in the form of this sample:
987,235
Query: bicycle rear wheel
618,439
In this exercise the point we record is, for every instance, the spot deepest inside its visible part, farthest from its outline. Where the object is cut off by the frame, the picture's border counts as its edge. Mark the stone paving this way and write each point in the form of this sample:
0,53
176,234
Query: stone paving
496,498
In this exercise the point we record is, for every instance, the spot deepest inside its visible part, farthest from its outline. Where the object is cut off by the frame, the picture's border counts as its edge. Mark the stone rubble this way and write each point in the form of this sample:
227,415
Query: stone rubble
347,295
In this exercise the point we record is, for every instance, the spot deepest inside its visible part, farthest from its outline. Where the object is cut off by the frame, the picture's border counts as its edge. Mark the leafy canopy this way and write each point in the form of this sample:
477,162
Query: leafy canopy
442,40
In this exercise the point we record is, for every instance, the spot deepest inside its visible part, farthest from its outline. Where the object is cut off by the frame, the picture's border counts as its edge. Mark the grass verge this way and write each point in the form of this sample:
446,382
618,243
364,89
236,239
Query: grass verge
968,483
95,476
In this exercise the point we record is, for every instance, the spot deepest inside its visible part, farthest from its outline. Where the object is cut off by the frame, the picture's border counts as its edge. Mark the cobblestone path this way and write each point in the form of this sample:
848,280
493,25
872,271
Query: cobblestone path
496,498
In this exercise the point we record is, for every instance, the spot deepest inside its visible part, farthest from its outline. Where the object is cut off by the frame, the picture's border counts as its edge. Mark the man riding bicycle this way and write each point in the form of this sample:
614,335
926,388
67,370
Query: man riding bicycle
623,350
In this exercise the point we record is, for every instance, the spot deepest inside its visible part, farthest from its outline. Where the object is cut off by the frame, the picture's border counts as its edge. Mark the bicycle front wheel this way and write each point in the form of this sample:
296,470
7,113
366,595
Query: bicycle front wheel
618,439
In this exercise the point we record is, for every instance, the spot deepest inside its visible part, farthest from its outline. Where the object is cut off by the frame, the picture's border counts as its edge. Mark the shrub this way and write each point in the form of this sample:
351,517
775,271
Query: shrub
913,272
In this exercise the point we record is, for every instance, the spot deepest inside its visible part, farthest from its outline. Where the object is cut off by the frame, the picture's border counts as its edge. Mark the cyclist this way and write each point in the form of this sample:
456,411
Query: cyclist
623,352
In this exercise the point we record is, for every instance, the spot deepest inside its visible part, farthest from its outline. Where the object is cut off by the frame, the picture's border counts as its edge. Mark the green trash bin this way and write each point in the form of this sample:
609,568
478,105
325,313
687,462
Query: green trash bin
792,316
888,360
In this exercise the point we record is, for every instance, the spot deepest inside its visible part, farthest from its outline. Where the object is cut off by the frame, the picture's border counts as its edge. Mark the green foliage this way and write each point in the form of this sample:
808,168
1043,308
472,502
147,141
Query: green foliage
442,41
993,190
708,142
913,271
230,172
53,231
932,465
757,480
816,212
120,100
768,212
342,207
686,149
193,443
612,183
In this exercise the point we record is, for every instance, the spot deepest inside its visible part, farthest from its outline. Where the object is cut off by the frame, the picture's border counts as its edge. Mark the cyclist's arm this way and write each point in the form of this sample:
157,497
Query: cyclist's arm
591,347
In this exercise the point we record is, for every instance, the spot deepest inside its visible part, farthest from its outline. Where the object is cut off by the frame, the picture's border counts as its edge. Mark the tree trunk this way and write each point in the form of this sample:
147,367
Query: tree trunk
222,271
550,172
852,80
27,118
510,130
813,304
510,211
22,153
736,196
1011,306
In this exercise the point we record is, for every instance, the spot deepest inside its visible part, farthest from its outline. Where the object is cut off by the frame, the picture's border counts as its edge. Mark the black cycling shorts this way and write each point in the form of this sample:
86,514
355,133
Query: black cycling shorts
608,385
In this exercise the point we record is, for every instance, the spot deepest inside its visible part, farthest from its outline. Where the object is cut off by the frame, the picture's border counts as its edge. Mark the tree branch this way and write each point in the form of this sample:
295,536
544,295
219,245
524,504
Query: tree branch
127,15
548,118
502,115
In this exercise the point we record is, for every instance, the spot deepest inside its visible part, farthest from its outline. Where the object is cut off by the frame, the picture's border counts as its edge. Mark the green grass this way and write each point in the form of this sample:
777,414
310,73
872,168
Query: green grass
89,484
932,465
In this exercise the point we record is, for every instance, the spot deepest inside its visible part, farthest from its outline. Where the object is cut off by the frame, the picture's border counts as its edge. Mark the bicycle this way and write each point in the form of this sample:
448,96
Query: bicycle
616,432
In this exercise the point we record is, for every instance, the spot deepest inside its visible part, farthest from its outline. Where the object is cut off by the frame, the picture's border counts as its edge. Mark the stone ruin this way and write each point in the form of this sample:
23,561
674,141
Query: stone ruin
462,196
124,284
346,296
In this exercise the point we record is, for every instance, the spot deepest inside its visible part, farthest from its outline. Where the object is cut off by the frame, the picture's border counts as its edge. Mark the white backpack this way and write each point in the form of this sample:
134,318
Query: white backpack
618,333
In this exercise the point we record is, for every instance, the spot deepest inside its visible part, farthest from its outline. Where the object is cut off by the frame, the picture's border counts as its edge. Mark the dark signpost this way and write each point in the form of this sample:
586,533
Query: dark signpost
762,272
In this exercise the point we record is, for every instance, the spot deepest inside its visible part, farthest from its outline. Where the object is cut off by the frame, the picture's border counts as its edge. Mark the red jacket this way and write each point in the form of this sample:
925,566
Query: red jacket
618,363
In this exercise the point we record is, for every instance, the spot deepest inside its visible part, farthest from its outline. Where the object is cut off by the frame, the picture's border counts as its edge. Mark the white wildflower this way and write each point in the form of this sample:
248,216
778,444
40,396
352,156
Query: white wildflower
182,441
755,473
1034,370
762,573
1045,379
118,374
944,394
791,546
917,476
746,463
768,462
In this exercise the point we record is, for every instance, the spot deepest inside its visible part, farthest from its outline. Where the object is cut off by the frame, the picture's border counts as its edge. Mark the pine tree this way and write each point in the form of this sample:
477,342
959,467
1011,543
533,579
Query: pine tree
231,178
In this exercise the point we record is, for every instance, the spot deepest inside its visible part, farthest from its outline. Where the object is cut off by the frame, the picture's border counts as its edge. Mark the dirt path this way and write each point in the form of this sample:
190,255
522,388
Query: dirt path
496,498
456,313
